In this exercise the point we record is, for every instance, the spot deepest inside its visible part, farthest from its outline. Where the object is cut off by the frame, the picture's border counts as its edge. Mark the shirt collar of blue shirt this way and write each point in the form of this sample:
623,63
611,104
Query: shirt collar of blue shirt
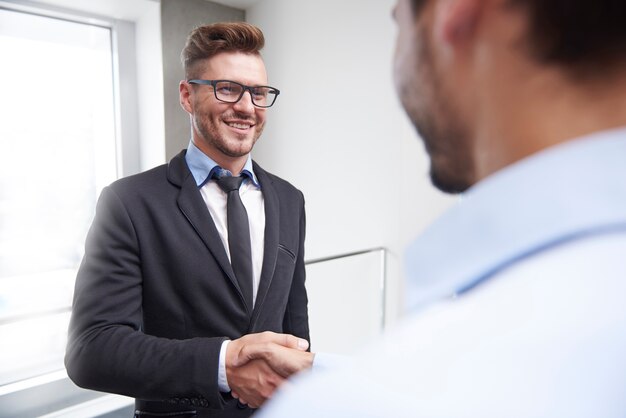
201,166
567,191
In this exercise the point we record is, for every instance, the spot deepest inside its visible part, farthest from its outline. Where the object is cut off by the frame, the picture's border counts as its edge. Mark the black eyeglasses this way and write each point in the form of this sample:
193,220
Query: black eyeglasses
231,92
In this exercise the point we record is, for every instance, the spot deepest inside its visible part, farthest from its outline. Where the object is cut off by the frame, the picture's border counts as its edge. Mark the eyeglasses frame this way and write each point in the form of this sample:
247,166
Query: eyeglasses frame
245,88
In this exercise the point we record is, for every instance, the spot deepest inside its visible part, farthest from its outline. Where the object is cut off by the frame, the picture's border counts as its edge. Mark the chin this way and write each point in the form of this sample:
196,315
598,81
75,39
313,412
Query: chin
448,181
238,150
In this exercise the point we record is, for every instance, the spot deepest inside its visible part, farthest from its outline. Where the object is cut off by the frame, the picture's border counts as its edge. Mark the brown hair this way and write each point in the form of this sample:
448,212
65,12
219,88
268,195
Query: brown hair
207,41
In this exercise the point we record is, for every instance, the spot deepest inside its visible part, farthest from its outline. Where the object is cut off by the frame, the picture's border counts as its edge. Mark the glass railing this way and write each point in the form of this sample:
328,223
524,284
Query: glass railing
346,299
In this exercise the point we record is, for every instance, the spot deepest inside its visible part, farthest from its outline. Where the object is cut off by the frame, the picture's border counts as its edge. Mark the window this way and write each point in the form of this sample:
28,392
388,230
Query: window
58,147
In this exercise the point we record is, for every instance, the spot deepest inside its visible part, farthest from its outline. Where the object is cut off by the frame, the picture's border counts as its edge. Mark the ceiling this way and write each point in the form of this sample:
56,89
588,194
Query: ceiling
238,4
129,9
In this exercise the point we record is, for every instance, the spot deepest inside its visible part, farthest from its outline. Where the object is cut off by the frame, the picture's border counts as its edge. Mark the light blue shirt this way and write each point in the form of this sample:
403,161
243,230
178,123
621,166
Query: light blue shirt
202,166
570,190
536,256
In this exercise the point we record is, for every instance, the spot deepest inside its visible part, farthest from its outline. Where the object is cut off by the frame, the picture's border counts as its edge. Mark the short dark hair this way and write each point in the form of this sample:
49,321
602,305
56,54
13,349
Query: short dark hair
417,5
583,34
207,41
577,33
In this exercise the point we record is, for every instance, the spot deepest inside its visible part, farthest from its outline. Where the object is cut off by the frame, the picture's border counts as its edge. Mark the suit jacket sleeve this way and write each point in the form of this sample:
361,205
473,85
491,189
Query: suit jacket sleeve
296,319
107,350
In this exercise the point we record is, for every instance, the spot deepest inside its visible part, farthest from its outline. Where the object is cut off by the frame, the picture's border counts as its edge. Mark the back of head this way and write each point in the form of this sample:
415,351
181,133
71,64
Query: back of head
207,41
583,36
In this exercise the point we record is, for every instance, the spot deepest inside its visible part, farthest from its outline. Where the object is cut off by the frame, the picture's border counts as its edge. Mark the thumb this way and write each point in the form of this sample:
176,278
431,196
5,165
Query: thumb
254,352
286,340
294,342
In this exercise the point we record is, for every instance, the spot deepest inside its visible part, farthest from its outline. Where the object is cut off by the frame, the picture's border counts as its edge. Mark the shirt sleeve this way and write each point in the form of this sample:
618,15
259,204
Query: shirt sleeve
328,361
222,380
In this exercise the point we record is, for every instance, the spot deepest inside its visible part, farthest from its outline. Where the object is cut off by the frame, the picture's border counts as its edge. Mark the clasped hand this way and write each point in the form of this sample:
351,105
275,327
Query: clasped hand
257,364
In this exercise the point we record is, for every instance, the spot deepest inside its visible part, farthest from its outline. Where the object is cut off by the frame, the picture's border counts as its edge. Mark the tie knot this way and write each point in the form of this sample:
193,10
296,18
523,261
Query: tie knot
230,183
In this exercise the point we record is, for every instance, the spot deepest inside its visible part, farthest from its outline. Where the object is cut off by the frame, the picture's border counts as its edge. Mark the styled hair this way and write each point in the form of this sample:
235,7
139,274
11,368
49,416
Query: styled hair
207,41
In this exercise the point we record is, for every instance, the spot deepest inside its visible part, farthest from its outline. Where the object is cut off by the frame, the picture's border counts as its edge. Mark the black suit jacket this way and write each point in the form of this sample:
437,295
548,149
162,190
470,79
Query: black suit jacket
156,295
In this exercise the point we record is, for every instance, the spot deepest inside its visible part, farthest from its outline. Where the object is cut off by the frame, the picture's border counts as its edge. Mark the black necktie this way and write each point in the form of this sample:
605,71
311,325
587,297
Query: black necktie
238,235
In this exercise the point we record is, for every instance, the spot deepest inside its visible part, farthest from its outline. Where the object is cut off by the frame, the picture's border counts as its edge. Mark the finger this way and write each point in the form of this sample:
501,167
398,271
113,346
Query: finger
252,401
287,340
265,346
240,399
282,360
262,351
254,383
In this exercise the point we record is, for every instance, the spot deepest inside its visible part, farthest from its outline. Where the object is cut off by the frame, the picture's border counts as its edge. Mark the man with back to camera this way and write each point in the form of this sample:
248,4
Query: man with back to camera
169,277
521,105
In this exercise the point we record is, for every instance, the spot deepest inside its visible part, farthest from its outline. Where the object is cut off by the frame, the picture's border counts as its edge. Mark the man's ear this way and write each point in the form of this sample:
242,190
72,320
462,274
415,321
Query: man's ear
457,20
184,90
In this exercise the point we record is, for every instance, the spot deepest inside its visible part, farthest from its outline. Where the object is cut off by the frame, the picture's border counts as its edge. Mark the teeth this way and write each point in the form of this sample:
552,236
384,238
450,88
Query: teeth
239,125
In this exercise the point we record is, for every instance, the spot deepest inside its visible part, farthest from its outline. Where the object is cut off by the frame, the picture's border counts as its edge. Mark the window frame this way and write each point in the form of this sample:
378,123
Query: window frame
53,390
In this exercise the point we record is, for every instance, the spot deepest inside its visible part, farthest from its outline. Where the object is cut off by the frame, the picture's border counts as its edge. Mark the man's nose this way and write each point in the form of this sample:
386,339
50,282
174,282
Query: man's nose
245,103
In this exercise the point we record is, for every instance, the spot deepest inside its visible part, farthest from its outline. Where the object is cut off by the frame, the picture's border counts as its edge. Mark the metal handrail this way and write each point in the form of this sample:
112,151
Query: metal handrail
383,273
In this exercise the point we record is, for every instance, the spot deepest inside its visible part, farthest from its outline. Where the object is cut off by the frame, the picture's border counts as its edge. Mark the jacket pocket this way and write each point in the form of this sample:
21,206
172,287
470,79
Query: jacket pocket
175,414
288,251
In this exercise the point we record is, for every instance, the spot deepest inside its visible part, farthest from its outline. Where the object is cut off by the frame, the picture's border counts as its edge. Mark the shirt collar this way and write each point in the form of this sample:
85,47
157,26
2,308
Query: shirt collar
567,191
201,166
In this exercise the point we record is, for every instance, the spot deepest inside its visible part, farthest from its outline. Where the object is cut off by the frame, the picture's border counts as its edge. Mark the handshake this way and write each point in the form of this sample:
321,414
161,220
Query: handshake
257,364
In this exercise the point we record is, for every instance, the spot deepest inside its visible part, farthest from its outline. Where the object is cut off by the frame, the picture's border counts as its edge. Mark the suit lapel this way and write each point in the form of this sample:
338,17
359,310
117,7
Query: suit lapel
193,207
270,251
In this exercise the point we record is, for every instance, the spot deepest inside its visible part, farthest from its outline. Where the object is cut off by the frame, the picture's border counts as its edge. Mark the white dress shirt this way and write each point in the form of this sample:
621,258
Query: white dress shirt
252,198
215,198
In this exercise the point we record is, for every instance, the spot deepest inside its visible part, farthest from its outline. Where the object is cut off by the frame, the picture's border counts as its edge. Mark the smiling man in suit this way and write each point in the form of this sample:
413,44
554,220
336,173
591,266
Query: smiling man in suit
188,263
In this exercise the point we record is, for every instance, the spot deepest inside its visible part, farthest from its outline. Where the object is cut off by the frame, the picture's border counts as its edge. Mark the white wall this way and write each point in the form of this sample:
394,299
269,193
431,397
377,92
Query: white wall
338,132
176,23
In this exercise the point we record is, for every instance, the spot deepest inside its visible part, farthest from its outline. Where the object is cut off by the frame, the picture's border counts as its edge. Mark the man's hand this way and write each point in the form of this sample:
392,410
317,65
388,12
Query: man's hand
257,364
281,358
253,383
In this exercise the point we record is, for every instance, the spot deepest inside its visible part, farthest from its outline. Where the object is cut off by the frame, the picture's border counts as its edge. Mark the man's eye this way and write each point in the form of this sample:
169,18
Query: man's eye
226,90
260,93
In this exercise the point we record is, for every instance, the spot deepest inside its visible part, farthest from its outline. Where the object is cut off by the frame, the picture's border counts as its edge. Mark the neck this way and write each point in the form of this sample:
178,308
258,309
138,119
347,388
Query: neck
529,114
233,164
